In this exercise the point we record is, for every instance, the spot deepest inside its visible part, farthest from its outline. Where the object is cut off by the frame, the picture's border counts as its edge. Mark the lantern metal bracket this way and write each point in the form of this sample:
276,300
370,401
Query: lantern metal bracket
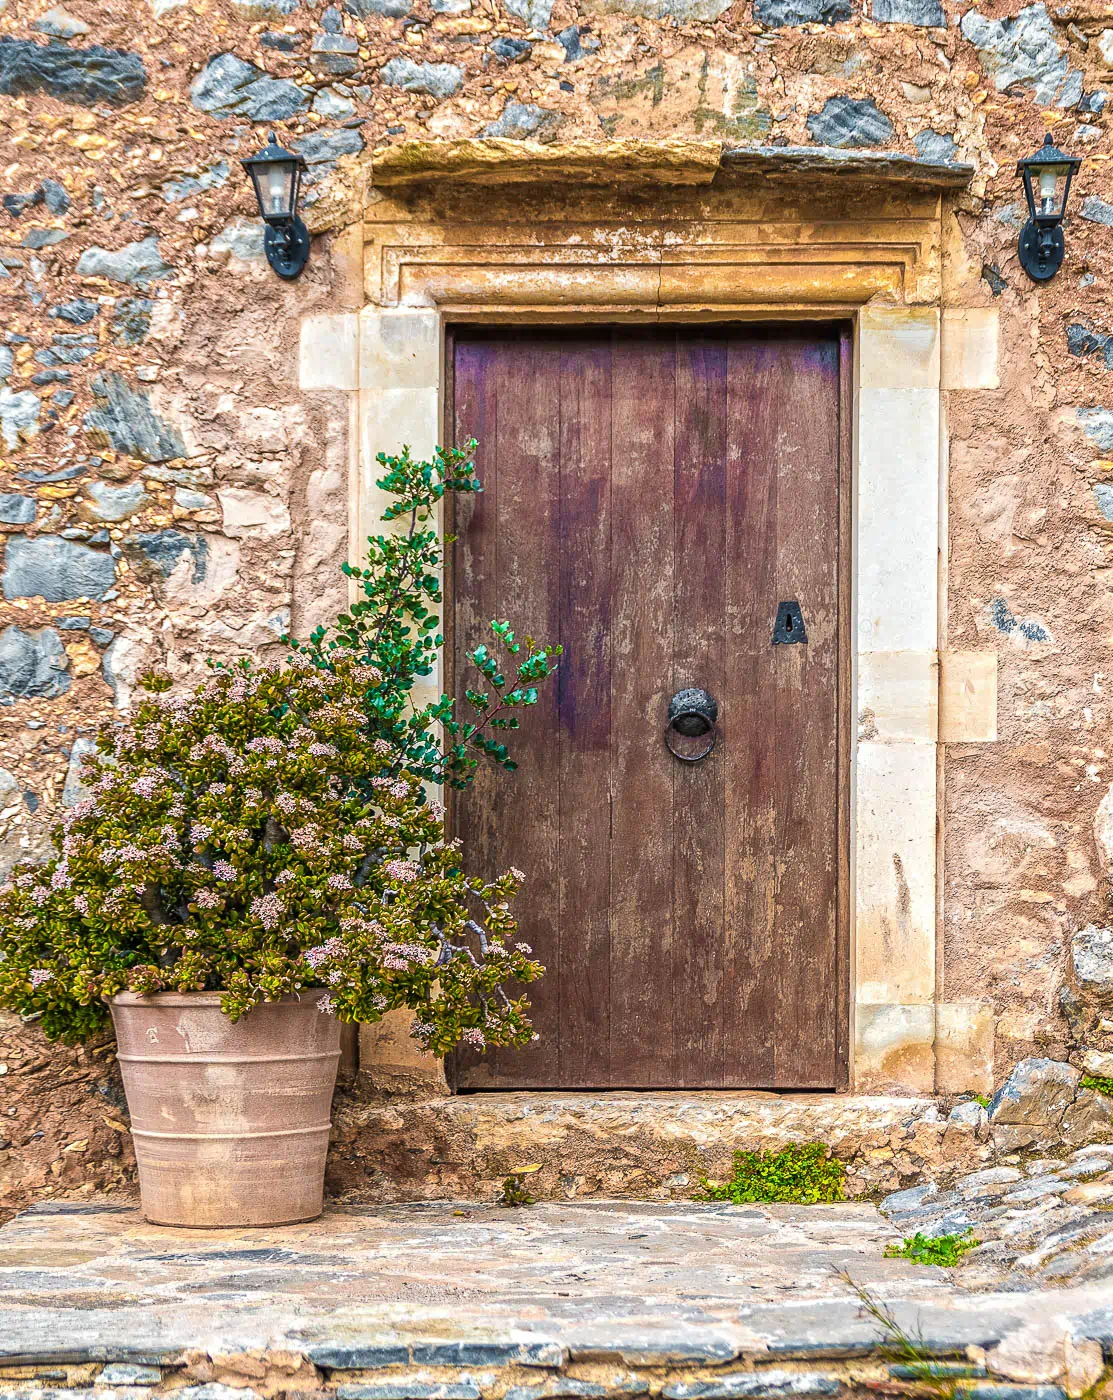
1041,250
287,248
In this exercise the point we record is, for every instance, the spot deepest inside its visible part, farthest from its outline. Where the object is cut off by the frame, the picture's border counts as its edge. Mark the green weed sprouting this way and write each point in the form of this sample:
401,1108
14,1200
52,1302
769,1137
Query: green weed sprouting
943,1250
802,1173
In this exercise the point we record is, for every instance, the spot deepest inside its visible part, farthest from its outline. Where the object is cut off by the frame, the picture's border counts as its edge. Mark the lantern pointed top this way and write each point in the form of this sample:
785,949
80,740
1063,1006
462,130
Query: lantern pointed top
1048,154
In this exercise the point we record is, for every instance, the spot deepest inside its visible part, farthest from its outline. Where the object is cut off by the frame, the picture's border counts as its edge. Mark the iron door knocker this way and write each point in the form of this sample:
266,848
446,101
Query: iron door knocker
692,715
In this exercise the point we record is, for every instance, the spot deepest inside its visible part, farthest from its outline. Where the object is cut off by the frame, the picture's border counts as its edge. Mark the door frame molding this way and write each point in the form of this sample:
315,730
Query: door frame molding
738,252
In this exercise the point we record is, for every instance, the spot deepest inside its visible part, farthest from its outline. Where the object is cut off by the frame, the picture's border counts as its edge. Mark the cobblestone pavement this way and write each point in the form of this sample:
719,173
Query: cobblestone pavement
1045,1222
458,1302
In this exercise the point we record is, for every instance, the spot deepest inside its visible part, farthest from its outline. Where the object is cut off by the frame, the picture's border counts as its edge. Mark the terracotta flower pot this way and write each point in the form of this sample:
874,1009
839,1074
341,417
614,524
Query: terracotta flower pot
230,1121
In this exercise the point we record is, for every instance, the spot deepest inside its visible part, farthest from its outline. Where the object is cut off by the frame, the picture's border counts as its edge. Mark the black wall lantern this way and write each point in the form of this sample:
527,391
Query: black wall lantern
1047,176
276,175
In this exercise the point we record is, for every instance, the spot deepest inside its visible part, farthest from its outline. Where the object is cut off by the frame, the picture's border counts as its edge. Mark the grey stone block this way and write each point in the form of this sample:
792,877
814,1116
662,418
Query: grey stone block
1036,1094
32,664
357,1358
410,1390
78,312
321,146
783,14
927,14
534,14
434,79
521,119
1097,210
19,416
121,1372
754,1385
1024,50
163,549
136,264
124,420
849,121
487,1354
84,76
16,509
228,86
1092,947
935,146
56,569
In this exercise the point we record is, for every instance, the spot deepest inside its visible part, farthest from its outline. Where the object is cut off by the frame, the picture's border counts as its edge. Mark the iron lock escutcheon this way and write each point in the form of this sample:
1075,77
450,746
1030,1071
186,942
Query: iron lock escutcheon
693,714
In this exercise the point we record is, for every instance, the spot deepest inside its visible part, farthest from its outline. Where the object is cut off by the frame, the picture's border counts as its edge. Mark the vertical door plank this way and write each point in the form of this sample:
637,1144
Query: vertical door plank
699,789
641,913
511,819
806,452
475,817
527,377
584,686
750,801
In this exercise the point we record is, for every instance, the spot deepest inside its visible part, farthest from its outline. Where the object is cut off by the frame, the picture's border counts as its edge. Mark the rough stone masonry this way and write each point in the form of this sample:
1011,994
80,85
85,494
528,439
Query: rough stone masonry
169,495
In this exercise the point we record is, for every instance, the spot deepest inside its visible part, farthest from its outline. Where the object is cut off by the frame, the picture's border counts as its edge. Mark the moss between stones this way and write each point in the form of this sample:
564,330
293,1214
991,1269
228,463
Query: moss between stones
1100,1082
801,1173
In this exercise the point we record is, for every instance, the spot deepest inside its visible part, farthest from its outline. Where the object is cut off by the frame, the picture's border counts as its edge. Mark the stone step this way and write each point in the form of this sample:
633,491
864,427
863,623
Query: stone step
653,1145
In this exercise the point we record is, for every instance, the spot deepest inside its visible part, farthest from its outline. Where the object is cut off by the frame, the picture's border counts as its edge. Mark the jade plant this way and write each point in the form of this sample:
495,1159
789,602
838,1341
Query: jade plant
271,832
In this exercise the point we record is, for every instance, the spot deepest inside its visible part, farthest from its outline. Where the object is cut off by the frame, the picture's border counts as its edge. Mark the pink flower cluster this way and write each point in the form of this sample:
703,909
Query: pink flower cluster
331,948
224,870
402,870
268,909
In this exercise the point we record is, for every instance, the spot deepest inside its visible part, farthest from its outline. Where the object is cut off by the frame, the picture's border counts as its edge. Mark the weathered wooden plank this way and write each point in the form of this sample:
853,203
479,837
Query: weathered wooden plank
750,802
642,581
584,685
806,446
699,659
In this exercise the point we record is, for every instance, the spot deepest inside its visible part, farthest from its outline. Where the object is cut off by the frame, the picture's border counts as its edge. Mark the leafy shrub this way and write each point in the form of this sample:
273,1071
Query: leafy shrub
270,831
944,1250
247,838
805,1173
393,627
1099,1082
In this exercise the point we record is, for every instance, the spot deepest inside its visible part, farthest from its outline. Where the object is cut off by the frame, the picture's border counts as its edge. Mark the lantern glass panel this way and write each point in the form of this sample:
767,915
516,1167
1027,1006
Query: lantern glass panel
1049,185
275,188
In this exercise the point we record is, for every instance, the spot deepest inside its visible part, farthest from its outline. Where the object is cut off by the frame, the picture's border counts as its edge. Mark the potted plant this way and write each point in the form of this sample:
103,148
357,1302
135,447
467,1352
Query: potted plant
257,859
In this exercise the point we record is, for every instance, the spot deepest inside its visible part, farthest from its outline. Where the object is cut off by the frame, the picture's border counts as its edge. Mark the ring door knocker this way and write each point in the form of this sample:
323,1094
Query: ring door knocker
692,716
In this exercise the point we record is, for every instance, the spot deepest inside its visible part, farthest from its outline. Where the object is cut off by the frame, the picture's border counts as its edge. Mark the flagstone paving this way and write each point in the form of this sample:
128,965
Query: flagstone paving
469,1301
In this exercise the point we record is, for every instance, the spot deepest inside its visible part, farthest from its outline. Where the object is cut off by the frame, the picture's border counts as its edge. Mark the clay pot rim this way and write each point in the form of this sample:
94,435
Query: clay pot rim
203,998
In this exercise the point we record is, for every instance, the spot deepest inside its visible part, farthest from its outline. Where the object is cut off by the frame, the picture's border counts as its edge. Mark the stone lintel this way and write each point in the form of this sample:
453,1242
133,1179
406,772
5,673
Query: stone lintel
863,167
632,163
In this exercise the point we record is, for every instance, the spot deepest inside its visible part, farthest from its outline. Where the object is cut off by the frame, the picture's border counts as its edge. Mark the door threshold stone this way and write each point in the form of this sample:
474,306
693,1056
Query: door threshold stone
651,1144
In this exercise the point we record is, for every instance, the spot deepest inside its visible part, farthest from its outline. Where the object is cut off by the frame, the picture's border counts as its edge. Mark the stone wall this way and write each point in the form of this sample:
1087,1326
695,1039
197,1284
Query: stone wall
169,494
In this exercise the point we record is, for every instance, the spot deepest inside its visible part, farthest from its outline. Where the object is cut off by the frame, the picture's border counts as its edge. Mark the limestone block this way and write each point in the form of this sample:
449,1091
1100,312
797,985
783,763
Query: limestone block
898,516
898,694
895,886
399,349
969,348
252,513
963,1048
898,347
390,1056
329,352
967,697
894,1048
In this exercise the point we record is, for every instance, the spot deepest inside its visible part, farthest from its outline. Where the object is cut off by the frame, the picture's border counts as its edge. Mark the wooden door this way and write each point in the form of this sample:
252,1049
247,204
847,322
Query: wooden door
651,496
